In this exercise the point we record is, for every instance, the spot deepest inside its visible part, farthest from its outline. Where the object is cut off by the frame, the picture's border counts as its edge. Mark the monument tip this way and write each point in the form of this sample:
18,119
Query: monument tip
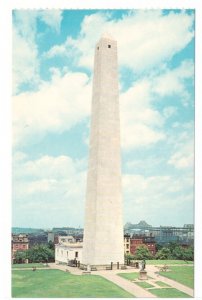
107,35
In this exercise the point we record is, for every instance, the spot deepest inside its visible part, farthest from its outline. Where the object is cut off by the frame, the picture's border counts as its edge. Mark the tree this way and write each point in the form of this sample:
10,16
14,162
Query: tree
189,253
40,253
20,257
51,245
142,252
158,247
129,256
183,253
164,253
178,252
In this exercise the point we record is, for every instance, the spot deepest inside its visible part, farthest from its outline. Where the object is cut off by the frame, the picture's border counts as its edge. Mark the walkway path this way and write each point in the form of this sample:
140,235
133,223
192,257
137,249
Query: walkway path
65,268
126,284
153,272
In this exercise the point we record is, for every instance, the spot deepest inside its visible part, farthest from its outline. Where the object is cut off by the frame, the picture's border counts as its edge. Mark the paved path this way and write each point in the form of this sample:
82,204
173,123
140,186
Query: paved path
126,284
153,272
65,268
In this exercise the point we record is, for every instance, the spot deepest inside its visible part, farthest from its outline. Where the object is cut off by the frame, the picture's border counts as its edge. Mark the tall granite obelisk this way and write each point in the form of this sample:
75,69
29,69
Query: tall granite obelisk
103,228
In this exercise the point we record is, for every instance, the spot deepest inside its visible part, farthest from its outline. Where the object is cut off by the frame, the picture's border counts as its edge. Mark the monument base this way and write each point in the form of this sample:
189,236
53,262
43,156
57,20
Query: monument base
143,275
102,267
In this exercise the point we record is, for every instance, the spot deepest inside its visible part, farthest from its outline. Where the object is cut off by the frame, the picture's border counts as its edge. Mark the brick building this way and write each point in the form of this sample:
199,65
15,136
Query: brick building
137,241
19,242
127,244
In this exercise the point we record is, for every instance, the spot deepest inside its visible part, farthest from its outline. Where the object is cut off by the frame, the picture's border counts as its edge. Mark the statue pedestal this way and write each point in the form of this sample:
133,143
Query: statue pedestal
143,275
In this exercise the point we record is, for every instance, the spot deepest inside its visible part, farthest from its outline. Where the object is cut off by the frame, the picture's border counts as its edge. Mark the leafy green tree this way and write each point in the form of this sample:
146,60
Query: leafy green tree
20,257
164,253
129,256
40,253
189,253
172,246
51,245
179,252
142,252
158,247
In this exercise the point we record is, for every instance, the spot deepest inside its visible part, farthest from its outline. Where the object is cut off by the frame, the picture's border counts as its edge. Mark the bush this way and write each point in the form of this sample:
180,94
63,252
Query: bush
20,257
40,253
142,252
164,253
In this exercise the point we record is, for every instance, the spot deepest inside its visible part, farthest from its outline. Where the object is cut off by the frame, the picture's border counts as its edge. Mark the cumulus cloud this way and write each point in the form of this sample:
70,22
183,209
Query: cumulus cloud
55,107
183,157
64,101
25,62
141,123
51,17
55,102
173,82
25,51
162,196
48,184
145,38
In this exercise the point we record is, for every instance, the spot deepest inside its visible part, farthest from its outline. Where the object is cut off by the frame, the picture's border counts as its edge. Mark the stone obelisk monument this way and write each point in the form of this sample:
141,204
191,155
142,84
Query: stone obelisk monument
103,228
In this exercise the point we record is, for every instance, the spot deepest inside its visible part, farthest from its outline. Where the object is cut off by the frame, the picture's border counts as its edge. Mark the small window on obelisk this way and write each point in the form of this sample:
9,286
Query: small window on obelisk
109,46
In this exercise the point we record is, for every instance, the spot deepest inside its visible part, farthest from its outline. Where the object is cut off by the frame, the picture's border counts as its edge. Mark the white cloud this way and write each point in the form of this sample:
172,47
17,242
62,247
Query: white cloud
25,50
158,199
182,143
140,123
172,82
64,101
169,111
184,156
48,186
145,38
52,18
58,175
47,167
56,106
25,62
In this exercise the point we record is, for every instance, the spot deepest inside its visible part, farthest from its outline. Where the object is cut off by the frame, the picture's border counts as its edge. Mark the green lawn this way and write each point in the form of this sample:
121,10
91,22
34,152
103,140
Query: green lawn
129,276
161,283
58,284
38,265
167,262
184,275
169,293
144,284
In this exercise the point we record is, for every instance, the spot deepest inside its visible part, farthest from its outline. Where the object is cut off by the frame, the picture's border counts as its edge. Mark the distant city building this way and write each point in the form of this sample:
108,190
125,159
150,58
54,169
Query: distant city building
67,230
25,230
163,234
51,236
38,239
141,225
19,242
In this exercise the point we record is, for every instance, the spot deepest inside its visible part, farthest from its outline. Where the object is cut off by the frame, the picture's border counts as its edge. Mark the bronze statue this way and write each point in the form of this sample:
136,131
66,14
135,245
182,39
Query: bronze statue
143,265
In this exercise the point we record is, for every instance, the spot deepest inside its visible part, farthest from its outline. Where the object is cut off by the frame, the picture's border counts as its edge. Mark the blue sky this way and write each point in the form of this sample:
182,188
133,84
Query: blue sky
52,83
